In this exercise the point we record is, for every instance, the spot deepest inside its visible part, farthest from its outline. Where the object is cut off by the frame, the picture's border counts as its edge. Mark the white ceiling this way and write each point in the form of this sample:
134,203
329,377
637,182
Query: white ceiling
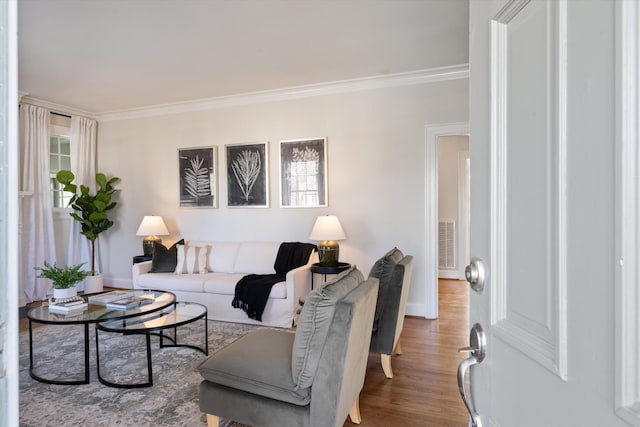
112,55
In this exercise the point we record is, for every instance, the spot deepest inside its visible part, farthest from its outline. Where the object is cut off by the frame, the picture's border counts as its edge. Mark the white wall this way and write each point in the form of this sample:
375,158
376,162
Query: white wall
376,172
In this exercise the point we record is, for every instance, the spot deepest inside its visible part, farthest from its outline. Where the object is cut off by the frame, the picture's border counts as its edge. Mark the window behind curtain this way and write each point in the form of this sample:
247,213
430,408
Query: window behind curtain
59,159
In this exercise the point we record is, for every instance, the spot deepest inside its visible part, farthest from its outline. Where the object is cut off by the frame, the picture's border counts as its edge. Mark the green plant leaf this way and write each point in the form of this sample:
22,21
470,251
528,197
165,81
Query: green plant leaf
103,197
97,216
99,205
101,180
65,177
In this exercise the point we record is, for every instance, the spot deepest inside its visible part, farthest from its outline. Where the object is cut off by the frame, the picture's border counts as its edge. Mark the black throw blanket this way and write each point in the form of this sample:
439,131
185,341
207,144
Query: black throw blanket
252,291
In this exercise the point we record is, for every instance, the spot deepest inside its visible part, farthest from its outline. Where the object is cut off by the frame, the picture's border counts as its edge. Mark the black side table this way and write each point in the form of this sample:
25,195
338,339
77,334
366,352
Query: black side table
141,258
318,269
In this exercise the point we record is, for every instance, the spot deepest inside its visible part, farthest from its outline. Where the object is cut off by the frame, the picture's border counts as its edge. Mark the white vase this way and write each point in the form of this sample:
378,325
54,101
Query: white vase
93,284
65,293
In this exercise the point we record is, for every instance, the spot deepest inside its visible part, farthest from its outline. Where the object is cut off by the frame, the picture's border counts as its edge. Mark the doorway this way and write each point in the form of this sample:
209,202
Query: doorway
453,206
433,133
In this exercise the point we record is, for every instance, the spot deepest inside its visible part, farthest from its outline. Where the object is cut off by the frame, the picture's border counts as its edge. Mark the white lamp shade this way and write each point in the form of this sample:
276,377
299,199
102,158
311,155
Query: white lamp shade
327,227
152,225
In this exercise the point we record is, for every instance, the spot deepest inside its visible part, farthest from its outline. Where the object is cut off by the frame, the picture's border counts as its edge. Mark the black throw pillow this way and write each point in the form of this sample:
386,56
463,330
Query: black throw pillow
164,260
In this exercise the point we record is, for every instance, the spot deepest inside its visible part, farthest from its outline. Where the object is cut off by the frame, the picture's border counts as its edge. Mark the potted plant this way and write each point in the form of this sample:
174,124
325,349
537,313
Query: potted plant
92,212
63,279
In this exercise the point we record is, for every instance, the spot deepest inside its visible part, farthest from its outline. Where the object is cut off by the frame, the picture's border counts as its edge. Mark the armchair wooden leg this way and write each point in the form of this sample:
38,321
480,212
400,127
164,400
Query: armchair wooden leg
354,412
398,348
213,420
386,365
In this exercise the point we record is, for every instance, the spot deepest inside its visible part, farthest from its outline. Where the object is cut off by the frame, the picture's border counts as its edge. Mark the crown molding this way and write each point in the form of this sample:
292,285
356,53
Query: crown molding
419,77
56,108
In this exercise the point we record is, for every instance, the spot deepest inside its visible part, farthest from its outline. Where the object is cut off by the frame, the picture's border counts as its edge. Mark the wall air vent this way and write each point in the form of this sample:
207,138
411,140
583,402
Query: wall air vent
446,244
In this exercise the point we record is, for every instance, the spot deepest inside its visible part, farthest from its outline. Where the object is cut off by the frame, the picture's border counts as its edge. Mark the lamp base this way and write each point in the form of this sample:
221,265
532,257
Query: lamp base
147,245
328,252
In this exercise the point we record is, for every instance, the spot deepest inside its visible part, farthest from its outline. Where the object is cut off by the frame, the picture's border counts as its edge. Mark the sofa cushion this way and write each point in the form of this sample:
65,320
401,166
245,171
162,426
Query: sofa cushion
171,282
258,363
314,322
164,260
222,256
225,284
256,258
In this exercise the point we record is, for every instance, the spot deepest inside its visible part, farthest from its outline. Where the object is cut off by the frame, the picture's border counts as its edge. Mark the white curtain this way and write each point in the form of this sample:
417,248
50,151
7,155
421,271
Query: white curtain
83,166
36,218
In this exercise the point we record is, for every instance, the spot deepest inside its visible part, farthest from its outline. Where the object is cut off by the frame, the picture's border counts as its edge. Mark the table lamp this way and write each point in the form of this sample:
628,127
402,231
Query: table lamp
327,229
151,226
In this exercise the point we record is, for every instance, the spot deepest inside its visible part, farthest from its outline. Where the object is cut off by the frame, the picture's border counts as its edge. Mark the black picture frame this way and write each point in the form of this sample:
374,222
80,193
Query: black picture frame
247,175
197,172
303,173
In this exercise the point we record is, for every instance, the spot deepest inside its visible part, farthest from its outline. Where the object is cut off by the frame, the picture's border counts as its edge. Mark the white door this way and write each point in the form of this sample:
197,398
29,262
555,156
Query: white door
542,134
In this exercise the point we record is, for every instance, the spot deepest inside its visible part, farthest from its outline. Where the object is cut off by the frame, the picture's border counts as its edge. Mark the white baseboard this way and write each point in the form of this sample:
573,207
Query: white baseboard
415,309
118,282
448,274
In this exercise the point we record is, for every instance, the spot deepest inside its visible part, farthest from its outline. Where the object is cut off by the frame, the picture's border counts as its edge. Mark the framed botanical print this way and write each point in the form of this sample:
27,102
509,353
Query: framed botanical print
198,169
247,175
303,173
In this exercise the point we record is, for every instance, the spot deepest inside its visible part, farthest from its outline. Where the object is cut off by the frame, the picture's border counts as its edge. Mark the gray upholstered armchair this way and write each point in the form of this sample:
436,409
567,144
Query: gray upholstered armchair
394,272
310,378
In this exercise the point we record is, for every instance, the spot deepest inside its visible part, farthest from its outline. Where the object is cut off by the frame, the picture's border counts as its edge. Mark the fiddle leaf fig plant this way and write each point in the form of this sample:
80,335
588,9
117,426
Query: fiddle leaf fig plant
90,210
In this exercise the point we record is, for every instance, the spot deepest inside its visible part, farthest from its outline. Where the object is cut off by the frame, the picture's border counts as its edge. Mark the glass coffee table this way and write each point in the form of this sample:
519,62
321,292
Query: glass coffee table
94,314
155,323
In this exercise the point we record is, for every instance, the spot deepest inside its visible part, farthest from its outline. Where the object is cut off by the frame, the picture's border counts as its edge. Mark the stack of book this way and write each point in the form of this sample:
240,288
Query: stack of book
71,307
107,297
129,302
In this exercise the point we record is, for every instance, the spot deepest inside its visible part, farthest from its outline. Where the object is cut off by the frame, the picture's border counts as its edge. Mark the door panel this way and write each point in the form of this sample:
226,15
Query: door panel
528,188
542,86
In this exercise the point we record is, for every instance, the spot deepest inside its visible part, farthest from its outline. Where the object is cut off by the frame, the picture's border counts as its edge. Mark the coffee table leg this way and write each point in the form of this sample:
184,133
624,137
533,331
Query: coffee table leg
206,334
149,383
30,349
86,353
150,371
59,382
204,349
98,355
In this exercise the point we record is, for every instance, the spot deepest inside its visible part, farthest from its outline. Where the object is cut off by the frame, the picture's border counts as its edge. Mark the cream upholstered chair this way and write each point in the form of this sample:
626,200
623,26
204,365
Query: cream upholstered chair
311,378
394,272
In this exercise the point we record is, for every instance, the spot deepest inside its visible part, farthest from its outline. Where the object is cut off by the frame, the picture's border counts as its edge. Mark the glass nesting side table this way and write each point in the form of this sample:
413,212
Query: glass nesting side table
155,323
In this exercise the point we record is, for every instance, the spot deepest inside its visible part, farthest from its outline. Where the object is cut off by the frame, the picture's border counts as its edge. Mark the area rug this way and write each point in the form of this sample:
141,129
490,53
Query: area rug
171,401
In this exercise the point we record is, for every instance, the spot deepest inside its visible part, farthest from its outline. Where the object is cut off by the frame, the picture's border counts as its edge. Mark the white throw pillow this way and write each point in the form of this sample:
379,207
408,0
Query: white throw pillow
191,258
196,259
180,264
202,260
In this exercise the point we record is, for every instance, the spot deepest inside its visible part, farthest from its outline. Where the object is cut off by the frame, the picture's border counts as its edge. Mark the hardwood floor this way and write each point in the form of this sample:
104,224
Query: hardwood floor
424,388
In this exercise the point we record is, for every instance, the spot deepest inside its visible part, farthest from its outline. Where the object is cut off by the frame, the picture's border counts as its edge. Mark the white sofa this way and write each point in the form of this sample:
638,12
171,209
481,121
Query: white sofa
226,263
